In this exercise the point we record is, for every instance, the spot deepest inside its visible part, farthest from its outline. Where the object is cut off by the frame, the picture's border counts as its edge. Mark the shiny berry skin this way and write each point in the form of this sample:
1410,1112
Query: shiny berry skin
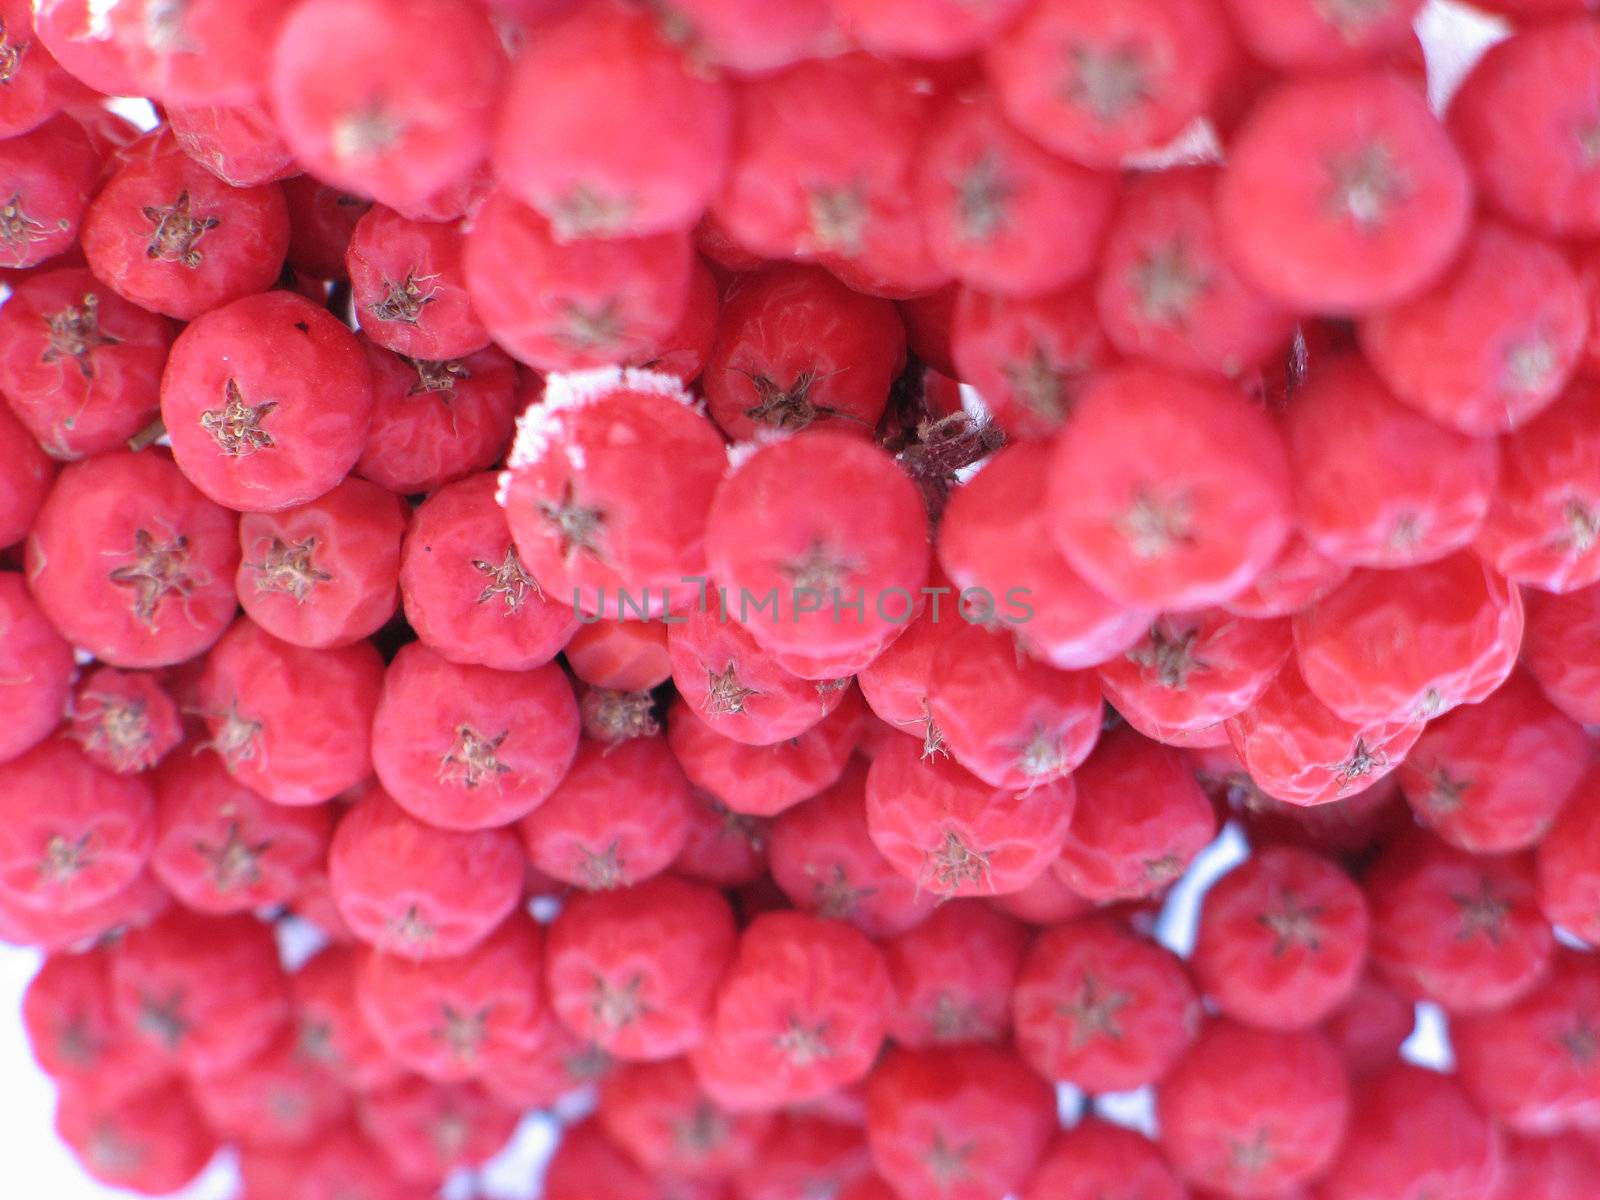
467,747
1491,777
132,563
765,780
1414,1134
1543,529
822,855
434,421
169,236
324,573
1493,343
418,892
220,848
1166,292
573,305
657,1113
288,722
447,1019
74,1032
1010,720
1410,644
1299,751
329,1026
82,366
965,1123
1000,214
995,536
1029,359
73,835
1568,863
1282,939
953,975
607,491
822,520
1095,84
408,288
25,476
1375,483
153,1141
206,991
795,348
801,1010
1343,195
635,970
47,176
465,590
387,98
267,401
735,686
955,835
429,1129
1101,1008
1192,670
1252,1112
1519,128
1168,492
619,816
36,670
1532,1066
278,1098
608,130
1461,930
1559,650
1096,1160
1140,820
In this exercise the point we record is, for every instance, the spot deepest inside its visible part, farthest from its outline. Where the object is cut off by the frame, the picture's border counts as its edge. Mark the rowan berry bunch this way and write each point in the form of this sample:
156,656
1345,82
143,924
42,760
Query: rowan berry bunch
699,580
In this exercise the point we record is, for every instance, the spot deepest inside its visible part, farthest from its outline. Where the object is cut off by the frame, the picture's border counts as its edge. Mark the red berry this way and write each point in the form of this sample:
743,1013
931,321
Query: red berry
635,969
36,670
955,835
1252,1112
918,29
657,1113
1101,1008
1560,650
132,563
25,475
47,176
723,847
1372,1024
619,816
416,891
1140,820
205,991
468,747
1167,492
326,572
1343,195
82,366
408,287
628,656
1096,1160
342,1164
1282,939
1410,644
277,1098
1412,1133
1461,930
388,98
322,220
1563,1167
428,1129
805,1156
220,848
953,975
801,1010
1096,84
1493,343
1491,777
51,930
290,723
1568,862
1299,576
238,143
331,1031
267,402
1377,485
965,1123
154,1141
1302,35
608,131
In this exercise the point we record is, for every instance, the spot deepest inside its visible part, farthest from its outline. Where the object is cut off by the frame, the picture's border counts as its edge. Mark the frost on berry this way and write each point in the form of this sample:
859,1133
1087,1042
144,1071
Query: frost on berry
471,760
565,391
1107,83
155,569
75,333
176,232
289,567
236,426
404,299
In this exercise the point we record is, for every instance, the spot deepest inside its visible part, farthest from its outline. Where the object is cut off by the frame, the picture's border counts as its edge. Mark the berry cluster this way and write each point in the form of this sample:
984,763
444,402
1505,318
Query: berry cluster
723,560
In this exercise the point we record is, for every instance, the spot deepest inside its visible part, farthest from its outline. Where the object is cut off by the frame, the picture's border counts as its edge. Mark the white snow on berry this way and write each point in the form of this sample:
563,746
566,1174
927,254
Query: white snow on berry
740,453
568,391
